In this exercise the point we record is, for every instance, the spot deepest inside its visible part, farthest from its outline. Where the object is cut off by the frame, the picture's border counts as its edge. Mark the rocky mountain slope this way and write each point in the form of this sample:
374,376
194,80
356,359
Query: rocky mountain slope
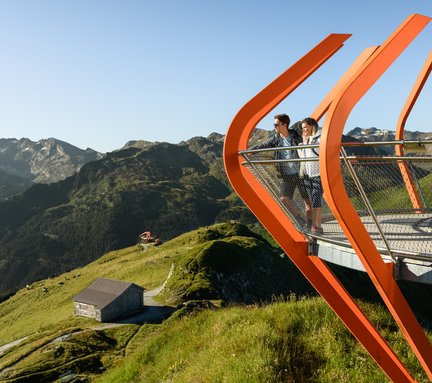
45,161
165,188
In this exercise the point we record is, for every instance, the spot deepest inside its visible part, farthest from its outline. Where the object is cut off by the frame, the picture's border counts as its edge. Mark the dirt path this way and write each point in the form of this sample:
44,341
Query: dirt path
154,312
7,346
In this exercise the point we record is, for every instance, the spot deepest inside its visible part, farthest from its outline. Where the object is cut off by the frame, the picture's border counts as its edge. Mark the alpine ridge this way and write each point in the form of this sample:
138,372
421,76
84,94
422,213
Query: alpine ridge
166,188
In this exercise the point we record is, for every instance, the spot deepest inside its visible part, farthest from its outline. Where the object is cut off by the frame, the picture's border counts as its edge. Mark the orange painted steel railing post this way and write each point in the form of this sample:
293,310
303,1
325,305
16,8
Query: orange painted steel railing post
400,128
338,199
278,224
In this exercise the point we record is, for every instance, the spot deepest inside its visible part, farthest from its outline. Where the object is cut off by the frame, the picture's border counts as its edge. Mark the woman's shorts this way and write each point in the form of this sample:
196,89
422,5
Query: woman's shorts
314,189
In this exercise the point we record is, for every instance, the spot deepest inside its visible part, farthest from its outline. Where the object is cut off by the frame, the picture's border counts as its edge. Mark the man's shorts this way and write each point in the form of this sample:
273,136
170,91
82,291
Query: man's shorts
289,184
314,189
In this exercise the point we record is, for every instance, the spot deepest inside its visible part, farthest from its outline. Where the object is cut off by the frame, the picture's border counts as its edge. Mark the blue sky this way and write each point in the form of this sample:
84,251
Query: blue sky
98,73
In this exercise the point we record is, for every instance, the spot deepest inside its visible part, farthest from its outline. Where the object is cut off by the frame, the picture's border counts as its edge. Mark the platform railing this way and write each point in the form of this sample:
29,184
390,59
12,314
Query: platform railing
374,183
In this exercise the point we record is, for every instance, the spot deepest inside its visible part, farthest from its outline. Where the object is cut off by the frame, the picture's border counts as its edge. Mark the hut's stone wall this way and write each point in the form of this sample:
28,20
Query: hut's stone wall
87,310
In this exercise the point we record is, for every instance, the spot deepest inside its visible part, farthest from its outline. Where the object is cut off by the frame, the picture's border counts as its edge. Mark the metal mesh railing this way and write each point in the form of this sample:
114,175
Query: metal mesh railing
376,187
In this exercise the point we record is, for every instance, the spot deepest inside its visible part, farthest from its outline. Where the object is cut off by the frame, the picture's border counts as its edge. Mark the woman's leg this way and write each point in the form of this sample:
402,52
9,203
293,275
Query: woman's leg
316,216
317,193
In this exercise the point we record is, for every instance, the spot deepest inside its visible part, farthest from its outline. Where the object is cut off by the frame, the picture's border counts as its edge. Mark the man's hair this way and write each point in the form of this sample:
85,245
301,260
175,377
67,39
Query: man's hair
283,118
312,122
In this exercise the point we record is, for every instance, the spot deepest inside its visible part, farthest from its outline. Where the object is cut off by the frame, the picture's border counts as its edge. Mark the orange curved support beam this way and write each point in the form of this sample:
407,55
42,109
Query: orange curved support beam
400,129
322,108
337,197
259,201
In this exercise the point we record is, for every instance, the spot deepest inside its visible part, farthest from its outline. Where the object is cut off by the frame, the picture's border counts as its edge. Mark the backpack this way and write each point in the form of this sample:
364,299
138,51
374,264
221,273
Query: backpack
295,137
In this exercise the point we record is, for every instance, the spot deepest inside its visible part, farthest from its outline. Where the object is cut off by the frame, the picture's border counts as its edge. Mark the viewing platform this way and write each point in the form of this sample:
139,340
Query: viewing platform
375,180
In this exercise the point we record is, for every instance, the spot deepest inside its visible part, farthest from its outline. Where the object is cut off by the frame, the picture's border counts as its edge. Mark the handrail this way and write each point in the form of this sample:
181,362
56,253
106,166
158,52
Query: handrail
359,144
356,158
382,143
343,144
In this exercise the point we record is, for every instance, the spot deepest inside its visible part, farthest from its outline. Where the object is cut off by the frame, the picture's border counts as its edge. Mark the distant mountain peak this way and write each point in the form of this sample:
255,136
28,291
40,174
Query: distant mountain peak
140,144
372,134
47,160
375,134
216,137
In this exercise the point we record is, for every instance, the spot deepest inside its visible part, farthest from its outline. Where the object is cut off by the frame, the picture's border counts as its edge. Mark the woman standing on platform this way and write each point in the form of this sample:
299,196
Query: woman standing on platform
310,171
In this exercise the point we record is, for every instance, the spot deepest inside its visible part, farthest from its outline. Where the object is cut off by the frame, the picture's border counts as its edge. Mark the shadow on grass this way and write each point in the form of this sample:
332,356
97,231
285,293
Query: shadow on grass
150,314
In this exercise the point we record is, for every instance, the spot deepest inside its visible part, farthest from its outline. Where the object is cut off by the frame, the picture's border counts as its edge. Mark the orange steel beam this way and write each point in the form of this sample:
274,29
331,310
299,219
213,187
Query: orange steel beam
337,197
400,128
259,201
322,108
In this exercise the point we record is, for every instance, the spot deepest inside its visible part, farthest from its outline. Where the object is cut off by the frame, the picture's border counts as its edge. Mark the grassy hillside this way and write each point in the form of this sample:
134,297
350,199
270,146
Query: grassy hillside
44,310
50,229
385,188
246,315
48,302
293,341
398,196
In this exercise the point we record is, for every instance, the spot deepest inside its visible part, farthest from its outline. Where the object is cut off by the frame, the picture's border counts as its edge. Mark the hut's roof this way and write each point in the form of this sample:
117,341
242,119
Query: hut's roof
103,291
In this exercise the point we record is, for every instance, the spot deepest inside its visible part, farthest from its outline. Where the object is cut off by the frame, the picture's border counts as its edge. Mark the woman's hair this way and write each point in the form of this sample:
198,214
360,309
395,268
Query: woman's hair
311,122
283,118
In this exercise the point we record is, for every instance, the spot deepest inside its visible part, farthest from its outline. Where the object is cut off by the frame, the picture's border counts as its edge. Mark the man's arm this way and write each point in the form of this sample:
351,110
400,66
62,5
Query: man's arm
270,142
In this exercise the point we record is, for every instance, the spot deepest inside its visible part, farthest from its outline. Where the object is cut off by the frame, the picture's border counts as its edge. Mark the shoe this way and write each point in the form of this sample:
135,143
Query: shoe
317,230
307,226
300,220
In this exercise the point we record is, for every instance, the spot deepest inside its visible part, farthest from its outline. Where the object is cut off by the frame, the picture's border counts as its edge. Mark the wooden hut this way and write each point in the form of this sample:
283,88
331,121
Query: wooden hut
107,299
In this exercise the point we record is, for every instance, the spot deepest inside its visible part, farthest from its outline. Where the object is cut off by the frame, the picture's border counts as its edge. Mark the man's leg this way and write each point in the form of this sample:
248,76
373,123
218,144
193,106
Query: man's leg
289,183
289,204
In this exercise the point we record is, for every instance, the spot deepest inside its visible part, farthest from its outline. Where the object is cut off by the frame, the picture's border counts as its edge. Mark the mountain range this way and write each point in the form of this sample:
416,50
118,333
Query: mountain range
166,188
87,203
24,162
375,134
